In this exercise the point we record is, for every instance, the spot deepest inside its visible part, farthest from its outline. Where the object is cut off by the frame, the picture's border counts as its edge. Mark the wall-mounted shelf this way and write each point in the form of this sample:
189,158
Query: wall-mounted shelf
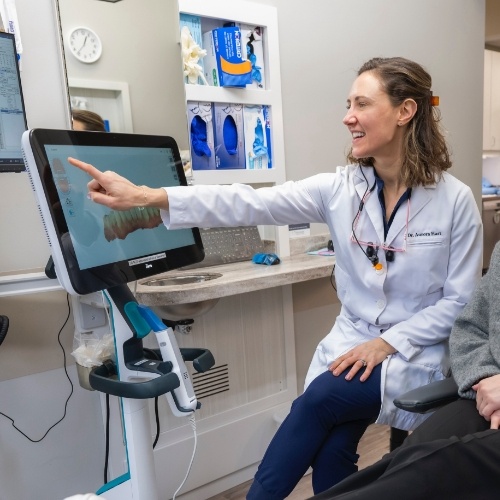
214,14
270,176
207,93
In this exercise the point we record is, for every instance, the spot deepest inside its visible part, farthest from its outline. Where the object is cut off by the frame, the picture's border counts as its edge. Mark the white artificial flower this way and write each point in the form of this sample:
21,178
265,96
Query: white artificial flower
191,54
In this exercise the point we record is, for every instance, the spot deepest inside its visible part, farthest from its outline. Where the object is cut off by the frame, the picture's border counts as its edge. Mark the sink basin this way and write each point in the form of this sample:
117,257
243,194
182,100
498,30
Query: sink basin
182,279
176,312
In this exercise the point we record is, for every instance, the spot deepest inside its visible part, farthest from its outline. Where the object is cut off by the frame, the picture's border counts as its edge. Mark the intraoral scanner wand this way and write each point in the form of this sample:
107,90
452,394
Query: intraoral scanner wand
182,400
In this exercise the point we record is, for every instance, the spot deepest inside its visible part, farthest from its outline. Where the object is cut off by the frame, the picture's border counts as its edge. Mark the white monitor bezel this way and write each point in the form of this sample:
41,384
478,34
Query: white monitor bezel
83,281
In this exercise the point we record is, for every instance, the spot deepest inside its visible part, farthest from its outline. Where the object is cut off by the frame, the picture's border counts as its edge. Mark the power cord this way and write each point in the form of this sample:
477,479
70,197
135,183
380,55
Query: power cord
157,419
154,355
105,299
4,326
332,278
67,376
106,453
192,421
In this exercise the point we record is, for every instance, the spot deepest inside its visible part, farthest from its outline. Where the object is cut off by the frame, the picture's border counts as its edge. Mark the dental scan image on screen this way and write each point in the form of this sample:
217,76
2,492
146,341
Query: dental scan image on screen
101,235
92,246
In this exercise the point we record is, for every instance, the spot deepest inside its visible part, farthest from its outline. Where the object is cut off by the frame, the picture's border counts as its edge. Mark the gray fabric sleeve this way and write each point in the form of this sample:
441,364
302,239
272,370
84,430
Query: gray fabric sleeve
475,337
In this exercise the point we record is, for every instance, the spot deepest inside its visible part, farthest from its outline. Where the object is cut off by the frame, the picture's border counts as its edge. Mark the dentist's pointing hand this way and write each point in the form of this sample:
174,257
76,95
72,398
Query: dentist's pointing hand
116,192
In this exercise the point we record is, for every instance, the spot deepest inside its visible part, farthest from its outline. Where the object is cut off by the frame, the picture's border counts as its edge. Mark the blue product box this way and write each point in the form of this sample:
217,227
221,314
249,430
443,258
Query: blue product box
229,136
257,128
267,118
193,23
201,135
225,64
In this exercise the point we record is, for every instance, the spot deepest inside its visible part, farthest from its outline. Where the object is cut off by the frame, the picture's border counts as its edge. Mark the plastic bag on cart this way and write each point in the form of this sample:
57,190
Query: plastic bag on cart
90,350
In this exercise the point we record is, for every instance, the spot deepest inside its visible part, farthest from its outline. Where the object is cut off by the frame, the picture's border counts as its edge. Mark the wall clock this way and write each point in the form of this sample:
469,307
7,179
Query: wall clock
85,44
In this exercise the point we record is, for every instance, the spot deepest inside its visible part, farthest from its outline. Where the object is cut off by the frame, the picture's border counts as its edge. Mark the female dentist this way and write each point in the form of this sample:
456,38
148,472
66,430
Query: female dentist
408,244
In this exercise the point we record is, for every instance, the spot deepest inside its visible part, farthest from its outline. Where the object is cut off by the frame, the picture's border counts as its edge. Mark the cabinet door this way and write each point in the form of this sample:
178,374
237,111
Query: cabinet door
487,138
495,101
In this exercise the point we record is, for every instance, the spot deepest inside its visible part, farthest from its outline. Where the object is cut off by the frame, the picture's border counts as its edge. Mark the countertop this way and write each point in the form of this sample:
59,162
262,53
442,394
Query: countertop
491,197
236,278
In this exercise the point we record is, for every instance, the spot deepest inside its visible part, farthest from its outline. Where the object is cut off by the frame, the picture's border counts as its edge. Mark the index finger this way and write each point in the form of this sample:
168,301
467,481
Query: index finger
495,422
86,167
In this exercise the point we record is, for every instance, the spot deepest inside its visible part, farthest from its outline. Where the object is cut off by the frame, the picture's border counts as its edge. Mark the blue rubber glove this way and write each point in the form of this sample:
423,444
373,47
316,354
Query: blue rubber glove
267,259
486,183
256,74
230,135
199,137
258,144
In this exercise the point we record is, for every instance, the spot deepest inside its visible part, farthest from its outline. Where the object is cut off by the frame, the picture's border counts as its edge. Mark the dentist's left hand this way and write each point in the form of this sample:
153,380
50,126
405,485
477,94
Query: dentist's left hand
364,357
114,191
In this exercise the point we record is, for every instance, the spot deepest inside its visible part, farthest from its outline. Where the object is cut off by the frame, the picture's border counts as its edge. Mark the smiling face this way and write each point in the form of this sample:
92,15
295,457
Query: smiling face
373,121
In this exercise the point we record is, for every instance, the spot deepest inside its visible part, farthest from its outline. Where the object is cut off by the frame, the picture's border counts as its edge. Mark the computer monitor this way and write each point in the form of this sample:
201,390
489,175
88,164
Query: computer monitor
12,112
93,247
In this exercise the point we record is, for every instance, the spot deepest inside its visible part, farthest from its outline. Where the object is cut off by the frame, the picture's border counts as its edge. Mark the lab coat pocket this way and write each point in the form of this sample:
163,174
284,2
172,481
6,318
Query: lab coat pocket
342,281
434,251
425,241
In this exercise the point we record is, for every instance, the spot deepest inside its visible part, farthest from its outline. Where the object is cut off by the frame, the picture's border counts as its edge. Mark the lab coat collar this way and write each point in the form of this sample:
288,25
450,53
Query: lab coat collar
420,196
372,205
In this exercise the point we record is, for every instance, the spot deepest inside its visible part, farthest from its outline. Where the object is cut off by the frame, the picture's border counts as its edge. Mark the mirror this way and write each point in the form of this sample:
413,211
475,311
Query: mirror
137,82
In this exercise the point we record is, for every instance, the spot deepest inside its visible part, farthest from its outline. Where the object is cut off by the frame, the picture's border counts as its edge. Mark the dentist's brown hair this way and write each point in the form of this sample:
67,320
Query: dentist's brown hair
425,153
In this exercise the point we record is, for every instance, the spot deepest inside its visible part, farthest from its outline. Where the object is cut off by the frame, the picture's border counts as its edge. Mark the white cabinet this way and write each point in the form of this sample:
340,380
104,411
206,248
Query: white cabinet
214,13
491,111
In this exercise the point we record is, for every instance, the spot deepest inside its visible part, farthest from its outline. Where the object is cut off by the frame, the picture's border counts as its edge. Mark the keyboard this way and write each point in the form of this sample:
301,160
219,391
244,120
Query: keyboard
224,245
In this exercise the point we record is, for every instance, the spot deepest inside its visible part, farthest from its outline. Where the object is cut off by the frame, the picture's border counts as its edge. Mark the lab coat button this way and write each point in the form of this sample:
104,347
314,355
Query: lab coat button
380,304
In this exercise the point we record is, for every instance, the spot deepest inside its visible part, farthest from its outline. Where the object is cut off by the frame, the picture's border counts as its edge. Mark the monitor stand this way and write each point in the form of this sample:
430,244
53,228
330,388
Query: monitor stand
135,377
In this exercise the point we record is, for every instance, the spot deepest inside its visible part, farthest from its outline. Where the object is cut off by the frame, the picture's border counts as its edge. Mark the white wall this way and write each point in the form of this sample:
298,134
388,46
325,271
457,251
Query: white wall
321,45
140,47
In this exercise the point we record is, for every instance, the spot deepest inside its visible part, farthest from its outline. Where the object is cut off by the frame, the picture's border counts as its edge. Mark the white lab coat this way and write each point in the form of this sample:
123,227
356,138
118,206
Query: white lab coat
411,304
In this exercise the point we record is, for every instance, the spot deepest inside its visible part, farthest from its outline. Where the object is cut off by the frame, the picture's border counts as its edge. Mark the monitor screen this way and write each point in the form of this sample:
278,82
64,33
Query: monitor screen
12,113
94,247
